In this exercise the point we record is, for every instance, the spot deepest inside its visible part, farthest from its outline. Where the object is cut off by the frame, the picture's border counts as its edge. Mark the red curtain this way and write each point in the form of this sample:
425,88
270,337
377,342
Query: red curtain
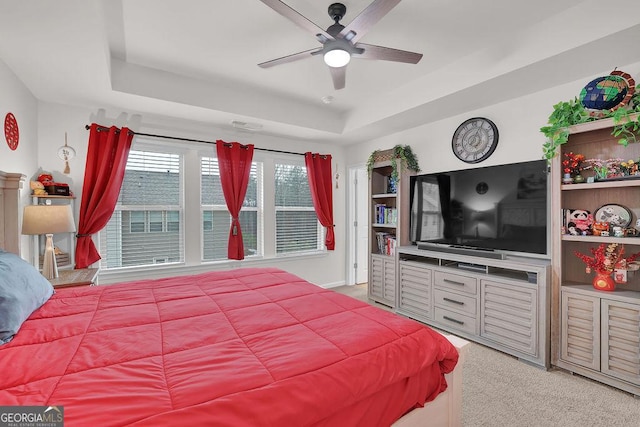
104,171
234,162
319,174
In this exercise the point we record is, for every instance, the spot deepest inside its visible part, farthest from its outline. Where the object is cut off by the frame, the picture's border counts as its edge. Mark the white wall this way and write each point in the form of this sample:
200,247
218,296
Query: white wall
518,121
55,120
15,98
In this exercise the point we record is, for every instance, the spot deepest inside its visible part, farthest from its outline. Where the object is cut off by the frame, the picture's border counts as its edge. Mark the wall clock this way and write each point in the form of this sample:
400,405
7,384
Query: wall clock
475,140
11,133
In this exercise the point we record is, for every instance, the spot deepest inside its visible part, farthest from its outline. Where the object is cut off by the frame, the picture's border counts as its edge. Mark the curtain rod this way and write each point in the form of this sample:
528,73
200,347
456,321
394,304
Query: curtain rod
101,128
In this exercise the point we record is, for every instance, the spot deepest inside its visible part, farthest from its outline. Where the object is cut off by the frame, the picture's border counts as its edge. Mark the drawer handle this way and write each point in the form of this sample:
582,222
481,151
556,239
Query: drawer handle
453,301
459,322
453,282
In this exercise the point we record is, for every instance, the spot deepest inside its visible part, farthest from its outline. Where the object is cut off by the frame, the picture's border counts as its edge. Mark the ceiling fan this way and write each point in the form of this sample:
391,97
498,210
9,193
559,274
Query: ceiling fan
340,43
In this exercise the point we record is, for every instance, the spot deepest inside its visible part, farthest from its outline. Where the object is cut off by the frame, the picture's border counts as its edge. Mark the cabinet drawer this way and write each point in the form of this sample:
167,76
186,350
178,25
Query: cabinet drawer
453,320
456,282
463,304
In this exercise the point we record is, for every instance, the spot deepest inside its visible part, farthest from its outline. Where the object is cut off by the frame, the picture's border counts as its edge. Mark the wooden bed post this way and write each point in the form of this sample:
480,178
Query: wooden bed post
10,185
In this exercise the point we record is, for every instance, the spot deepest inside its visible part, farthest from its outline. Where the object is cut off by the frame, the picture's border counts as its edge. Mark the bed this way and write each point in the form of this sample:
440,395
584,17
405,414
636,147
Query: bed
251,346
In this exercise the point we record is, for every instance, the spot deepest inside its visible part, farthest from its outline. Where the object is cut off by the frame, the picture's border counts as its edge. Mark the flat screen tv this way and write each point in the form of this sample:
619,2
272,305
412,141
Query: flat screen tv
492,211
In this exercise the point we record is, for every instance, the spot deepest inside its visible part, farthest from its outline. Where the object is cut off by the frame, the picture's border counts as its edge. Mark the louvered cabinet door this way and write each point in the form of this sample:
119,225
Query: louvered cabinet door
382,279
580,330
389,284
510,315
621,340
414,296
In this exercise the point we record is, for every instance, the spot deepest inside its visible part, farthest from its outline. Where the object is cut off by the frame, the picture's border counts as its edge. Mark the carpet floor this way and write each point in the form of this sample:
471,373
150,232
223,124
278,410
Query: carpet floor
499,390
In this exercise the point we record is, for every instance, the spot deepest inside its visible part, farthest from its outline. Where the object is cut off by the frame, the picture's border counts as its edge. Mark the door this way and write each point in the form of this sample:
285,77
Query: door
358,189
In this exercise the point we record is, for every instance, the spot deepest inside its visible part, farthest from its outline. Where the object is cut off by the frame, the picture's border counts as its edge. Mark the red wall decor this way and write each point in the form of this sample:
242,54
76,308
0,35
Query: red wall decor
11,132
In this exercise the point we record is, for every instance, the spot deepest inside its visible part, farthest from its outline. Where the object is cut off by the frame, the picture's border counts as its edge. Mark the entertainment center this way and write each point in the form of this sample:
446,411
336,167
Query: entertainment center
501,303
467,274
466,252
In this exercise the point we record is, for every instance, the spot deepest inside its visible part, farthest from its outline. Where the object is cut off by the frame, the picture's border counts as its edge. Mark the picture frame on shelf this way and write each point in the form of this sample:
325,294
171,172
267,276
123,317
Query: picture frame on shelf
614,214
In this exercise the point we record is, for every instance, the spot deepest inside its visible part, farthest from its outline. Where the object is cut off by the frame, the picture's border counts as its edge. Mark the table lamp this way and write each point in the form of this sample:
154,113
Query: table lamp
48,220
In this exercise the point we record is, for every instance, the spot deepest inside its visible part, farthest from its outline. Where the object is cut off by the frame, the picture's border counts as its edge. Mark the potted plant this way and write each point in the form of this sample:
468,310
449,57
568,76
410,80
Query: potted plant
402,152
568,113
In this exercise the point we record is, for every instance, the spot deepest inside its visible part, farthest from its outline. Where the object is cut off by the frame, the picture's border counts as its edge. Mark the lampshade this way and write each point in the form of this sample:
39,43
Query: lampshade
337,57
47,219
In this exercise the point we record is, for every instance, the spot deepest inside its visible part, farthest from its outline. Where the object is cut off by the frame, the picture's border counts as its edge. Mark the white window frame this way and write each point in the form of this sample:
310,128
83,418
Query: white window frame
145,145
320,246
191,210
259,209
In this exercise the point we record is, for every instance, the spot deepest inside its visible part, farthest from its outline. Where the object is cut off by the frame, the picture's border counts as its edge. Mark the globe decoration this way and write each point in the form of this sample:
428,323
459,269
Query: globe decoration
608,92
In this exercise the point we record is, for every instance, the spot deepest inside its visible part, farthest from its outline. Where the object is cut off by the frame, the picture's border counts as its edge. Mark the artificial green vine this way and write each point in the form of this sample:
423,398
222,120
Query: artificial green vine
371,160
569,113
625,126
402,152
565,114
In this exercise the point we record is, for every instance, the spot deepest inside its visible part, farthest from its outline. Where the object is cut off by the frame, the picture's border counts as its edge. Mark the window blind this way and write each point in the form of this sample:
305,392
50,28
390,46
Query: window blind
146,227
297,226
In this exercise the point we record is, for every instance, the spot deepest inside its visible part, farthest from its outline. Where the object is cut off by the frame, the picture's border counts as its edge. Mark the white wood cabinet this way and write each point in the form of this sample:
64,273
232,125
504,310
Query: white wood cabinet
594,333
600,335
388,225
503,304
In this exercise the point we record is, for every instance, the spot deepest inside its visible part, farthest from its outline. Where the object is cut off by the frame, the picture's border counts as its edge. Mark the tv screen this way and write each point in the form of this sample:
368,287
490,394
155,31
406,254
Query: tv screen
496,209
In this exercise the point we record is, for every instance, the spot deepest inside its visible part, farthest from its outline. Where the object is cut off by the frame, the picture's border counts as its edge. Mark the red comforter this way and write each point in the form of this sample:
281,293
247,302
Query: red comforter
242,347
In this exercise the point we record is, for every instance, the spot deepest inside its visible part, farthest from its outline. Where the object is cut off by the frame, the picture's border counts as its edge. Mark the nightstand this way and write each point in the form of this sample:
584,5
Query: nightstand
72,278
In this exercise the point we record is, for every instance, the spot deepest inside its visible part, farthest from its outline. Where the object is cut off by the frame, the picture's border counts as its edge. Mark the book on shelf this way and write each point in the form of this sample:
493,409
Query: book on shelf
386,243
385,214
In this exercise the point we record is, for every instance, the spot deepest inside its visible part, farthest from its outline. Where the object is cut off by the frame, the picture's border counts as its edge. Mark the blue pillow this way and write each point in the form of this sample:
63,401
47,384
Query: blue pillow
22,291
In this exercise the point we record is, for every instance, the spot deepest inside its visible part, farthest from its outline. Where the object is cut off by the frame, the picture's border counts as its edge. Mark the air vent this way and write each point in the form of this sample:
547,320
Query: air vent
246,126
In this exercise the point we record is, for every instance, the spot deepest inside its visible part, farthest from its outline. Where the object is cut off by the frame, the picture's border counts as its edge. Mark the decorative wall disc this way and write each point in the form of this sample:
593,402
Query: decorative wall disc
11,132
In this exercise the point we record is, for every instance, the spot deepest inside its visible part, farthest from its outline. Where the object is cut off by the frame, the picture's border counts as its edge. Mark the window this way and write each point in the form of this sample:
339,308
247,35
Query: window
145,227
427,222
297,227
155,221
148,228
137,222
216,219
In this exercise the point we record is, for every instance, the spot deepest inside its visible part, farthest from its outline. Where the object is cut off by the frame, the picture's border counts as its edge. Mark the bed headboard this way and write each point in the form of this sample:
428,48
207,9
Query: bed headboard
10,185
523,212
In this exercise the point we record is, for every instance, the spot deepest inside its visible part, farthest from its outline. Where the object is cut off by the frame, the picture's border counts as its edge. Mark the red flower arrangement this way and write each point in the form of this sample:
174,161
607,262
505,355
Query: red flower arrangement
572,163
605,258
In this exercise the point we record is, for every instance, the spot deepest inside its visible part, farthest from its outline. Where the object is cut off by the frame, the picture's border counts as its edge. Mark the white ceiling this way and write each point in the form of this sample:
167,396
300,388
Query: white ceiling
197,59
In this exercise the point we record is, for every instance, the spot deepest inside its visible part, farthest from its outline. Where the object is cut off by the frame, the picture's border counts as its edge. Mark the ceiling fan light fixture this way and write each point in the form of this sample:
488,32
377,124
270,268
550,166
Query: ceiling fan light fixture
337,57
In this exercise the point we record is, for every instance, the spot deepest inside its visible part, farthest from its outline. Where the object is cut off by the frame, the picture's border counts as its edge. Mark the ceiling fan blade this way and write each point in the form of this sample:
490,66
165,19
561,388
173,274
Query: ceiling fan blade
296,18
290,58
339,77
366,19
388,54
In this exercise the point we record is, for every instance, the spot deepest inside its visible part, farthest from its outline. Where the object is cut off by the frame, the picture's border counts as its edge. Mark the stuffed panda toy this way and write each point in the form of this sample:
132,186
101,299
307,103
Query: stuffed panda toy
579,222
